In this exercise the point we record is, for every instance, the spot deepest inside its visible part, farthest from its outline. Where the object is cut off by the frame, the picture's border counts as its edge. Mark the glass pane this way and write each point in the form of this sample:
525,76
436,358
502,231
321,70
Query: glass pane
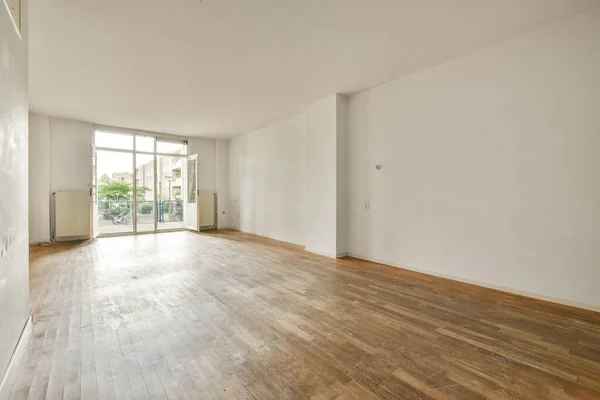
170,204
144,143
115,192
144,191
191,183
94,193
171,147
114,140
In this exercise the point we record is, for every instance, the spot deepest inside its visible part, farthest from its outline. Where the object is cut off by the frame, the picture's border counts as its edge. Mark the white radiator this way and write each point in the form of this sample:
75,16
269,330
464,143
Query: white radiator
71,215
206,210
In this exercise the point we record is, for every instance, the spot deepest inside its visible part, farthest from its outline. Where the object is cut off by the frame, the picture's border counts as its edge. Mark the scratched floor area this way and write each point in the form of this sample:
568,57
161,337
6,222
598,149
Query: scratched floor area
231,316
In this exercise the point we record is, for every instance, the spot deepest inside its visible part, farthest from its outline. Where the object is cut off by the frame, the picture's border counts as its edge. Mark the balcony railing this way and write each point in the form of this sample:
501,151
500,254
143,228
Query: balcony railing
120,212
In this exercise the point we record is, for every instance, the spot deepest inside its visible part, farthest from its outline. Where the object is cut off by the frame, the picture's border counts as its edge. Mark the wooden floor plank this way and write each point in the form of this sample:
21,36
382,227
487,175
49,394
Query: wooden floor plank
226,315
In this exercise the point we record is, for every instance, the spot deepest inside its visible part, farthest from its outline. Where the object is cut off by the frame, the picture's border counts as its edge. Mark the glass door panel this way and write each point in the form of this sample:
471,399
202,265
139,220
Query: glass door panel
169,186
113,140
144,143
115,192
191,193
171,147
145,192
94,193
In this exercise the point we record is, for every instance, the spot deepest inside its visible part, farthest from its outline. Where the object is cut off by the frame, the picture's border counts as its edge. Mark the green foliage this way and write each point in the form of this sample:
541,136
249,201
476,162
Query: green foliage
145,208
177,194
179,210
116,209
174,209
114,190
141,193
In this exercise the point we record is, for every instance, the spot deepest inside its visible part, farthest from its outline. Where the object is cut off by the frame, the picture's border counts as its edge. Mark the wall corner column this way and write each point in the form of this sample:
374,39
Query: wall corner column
326,177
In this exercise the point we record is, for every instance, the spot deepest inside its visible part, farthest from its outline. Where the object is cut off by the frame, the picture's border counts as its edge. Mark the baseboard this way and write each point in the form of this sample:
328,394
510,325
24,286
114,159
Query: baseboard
9,375
71,239
328,255
40,242
537,296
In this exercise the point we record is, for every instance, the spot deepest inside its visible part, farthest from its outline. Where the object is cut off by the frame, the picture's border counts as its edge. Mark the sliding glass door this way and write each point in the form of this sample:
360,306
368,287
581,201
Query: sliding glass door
144,187
115,192
139,183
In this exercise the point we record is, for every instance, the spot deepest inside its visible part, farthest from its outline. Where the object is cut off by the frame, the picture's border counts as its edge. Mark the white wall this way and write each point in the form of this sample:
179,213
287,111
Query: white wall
321,177
283,179
70,155
60,160
491,166
39,178
222,183
14,238
326,176
206,150
267,181
342,244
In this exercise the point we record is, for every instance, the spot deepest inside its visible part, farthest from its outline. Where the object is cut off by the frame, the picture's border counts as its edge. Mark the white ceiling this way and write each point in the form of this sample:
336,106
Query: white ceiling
221,67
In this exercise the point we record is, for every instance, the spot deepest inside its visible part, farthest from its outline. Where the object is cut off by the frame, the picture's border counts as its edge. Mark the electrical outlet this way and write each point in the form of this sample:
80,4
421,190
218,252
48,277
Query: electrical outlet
367,205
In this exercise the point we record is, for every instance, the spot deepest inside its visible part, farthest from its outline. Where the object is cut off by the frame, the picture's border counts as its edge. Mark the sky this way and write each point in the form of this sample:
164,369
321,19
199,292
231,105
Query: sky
109,162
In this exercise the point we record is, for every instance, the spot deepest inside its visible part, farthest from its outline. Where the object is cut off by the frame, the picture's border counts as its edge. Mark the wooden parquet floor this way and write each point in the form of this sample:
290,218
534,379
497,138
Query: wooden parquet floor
228,315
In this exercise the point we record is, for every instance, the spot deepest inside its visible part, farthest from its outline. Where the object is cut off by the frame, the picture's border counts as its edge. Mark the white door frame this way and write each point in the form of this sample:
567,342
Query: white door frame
94,194
191,217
